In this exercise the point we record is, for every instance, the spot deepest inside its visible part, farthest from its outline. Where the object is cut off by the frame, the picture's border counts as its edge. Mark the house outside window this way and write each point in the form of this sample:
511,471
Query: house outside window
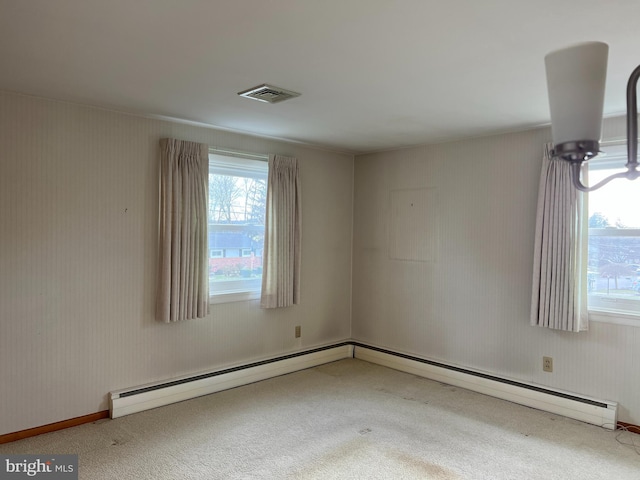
613,271
237,202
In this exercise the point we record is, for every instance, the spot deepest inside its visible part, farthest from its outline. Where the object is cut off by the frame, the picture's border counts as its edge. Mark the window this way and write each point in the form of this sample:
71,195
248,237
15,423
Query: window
237,202
613,273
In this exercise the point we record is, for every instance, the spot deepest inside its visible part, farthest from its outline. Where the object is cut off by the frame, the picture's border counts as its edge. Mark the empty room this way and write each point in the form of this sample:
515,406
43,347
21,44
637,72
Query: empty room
319,239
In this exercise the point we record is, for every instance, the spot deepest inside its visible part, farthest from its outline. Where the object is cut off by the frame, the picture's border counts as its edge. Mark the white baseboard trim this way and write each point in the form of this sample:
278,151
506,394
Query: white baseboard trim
145,397
597,412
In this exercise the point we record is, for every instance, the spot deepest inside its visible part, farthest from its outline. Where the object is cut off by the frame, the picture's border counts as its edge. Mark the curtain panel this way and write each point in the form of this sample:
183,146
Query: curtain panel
559,298
282,235
183,282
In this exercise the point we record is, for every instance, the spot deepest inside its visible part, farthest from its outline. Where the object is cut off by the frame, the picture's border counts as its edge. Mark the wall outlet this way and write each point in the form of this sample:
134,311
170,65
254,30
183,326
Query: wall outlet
547,364
298,331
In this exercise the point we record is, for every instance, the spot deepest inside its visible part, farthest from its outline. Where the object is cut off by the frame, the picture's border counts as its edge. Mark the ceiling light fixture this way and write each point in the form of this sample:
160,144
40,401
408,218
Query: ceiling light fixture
575,81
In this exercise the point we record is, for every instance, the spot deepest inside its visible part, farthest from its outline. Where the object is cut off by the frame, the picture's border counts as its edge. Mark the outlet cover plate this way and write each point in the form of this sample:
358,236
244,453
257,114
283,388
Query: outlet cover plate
547,364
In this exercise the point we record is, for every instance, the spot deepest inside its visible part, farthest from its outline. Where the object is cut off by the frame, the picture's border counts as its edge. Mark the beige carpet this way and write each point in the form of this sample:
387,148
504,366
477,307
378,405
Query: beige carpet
345,420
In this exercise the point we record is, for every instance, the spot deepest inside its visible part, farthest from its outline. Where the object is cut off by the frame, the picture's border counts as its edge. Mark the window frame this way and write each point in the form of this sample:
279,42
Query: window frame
226,162
602,309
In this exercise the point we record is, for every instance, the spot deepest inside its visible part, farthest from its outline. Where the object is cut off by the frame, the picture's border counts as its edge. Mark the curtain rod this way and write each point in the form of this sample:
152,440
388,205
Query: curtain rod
236,153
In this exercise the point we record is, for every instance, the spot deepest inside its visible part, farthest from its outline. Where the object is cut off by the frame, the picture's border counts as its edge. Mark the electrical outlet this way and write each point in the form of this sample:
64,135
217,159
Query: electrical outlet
547,364
298,331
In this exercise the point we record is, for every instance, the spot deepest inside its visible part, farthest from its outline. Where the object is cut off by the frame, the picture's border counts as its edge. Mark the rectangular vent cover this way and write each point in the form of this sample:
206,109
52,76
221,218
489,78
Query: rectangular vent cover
268,93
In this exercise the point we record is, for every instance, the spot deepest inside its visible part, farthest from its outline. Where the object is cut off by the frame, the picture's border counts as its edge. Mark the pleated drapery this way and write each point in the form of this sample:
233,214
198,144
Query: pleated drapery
282,235
559,299
183,283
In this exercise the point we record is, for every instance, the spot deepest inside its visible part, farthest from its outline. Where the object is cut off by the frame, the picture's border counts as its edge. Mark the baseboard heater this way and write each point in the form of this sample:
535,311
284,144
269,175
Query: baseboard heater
597,412
145,397
588,410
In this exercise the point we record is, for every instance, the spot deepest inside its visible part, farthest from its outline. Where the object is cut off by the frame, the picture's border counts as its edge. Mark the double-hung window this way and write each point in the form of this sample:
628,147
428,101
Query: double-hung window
236,211
613,272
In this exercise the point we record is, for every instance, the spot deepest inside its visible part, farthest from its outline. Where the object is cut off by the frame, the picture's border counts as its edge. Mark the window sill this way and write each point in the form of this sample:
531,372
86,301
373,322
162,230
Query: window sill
614,317
231,297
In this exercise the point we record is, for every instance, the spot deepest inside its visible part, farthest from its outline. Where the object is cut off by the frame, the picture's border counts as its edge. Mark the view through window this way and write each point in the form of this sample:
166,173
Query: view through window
613,274
237,202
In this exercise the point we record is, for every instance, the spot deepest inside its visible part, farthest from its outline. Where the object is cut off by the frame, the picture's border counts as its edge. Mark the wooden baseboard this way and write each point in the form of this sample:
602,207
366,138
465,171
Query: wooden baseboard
629,427
52,427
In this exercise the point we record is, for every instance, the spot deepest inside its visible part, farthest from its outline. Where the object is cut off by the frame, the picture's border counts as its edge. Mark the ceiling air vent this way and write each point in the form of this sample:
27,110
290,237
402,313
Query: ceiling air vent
268,93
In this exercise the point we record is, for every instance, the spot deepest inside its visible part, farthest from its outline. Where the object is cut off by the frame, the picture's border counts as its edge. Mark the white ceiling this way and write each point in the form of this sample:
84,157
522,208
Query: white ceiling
374,74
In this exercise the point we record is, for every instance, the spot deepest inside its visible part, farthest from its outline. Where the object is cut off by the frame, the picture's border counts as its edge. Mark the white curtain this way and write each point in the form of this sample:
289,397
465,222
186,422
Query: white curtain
183,283
282,235
559,299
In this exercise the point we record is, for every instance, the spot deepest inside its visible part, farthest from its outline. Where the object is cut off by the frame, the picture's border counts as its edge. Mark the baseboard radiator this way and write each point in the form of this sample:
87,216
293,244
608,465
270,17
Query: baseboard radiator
145,397
588,410
597,412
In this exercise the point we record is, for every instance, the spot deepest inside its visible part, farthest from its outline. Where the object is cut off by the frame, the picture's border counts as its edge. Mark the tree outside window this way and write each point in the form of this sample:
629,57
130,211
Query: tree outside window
613,275
237,205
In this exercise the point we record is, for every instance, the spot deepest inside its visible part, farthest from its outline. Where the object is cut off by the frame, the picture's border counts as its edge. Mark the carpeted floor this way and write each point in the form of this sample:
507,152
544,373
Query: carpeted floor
345,420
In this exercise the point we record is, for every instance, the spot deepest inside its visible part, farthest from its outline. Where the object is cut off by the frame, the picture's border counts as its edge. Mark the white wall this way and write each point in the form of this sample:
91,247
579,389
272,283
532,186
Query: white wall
470,306
78,226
